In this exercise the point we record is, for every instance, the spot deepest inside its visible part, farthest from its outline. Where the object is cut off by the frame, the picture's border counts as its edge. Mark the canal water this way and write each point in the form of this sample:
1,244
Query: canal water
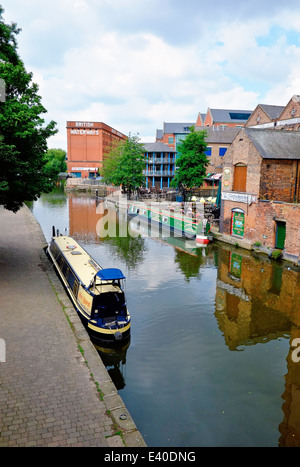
212,359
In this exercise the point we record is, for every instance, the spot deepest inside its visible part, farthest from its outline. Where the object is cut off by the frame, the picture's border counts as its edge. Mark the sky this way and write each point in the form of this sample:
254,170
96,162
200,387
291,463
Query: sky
135,64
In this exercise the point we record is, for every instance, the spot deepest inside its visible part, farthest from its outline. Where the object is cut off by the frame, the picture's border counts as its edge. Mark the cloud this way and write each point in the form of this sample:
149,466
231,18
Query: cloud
135,64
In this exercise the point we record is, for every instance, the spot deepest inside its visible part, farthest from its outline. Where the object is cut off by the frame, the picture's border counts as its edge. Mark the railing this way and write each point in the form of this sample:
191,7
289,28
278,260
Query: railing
72,181
163,160
159,173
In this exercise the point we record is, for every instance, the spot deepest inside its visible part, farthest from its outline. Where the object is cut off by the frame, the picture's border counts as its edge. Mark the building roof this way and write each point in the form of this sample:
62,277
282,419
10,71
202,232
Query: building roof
159,134
273,111
158,147
175,128
219,135
229,116
275,144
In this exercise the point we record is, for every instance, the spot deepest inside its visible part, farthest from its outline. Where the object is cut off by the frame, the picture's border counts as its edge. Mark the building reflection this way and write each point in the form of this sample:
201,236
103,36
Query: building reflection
257,300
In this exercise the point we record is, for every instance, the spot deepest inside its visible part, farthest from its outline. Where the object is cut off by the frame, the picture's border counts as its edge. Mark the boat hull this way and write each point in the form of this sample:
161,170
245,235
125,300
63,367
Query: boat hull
202,240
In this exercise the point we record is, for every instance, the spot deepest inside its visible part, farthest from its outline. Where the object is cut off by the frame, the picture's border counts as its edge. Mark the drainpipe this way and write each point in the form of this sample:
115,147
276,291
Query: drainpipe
296,182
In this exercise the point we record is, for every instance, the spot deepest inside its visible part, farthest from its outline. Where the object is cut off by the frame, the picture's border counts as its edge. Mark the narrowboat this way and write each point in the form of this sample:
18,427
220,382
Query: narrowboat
173,222
169,221
97,293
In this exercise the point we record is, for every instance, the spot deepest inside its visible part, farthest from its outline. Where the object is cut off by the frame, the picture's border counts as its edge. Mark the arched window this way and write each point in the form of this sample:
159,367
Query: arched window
240,177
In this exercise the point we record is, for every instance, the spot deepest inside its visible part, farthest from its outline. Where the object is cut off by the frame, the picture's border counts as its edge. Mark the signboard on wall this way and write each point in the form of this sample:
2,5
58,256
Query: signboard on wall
238,223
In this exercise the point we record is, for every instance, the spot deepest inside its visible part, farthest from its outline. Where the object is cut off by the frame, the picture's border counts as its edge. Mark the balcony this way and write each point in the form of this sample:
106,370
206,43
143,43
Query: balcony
160,160
159,173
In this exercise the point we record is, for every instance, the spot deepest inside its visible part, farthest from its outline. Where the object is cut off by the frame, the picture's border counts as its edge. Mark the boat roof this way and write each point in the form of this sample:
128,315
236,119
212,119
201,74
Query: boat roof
110,274
82,263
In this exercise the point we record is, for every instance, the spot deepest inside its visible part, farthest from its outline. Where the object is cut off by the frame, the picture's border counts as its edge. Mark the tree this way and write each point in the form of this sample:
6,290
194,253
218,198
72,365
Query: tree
55,162
191,163
23,135
124,165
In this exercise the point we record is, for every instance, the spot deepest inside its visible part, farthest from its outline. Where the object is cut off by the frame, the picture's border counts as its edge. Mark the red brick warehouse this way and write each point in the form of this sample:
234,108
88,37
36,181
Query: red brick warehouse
88,143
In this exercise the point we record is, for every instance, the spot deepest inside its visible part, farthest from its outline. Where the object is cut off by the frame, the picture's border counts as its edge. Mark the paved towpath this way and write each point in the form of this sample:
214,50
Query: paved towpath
54,388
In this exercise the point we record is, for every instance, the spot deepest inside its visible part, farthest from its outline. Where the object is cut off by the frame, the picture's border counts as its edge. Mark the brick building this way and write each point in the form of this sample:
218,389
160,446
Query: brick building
172,133
224,118
88,142
261,191
277,117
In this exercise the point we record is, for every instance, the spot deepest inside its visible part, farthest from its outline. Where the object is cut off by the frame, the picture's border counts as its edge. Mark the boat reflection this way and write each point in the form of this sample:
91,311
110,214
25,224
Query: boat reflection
114,360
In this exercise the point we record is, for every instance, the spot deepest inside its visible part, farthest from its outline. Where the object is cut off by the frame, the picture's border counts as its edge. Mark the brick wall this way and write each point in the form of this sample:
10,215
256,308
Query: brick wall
242,151
279,180
260,223
292,110
258,113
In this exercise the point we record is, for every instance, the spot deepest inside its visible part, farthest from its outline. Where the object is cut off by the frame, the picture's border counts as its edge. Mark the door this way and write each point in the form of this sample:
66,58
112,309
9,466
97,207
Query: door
280,234
240,177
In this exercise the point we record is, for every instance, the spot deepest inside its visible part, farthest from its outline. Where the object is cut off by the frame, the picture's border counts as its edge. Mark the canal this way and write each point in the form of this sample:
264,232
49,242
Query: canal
212,359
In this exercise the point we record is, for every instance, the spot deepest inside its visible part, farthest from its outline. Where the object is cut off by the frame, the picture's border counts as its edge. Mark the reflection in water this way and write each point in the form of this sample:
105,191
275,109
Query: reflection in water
114,360
258,301
212,329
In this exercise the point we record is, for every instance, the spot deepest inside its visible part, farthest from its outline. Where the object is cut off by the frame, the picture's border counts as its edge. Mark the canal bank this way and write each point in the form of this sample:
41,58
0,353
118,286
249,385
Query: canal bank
55,390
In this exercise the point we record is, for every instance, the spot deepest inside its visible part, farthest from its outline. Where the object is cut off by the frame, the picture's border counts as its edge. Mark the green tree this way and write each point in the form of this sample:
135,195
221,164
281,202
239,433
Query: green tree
124,165
55,162
23,133
191,163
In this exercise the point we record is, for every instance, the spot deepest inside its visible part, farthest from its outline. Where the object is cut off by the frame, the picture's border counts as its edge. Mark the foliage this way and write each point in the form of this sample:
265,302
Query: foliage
192,161
276,254
124,165
23,135
55,162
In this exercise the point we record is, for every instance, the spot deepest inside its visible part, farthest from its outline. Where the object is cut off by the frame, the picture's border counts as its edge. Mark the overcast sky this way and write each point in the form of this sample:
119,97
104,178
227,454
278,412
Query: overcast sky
135,64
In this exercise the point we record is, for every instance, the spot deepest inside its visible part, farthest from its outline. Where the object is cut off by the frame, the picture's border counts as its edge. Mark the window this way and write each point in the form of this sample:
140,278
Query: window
208,151
240,177
170,140
222,151
239,115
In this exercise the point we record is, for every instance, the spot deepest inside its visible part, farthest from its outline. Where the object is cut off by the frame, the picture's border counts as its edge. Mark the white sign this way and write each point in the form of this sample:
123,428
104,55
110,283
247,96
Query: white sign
85,124
84,132
239,197
85,168
2,351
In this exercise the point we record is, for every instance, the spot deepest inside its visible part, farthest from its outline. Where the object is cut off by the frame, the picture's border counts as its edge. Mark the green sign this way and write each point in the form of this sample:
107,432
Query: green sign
235,265
238,223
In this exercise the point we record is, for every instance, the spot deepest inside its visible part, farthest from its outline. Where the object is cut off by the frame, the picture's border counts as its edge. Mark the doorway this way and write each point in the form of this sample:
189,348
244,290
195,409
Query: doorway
280,234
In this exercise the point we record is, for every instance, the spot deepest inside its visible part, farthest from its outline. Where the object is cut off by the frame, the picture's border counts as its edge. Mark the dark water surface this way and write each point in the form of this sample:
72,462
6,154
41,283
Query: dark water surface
210,361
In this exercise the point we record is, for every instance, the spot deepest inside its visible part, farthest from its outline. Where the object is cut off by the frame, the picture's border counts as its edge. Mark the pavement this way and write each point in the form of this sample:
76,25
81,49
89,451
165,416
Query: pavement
54,389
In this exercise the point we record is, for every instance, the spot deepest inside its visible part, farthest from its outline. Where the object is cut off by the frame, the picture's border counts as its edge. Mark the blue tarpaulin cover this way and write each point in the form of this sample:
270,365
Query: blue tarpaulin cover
110,274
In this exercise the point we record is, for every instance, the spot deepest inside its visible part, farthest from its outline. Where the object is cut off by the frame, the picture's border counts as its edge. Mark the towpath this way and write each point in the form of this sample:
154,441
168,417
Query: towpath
54,388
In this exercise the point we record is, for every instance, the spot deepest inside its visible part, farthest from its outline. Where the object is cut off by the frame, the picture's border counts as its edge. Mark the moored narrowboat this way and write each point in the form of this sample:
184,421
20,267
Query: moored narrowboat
174,222
97,293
